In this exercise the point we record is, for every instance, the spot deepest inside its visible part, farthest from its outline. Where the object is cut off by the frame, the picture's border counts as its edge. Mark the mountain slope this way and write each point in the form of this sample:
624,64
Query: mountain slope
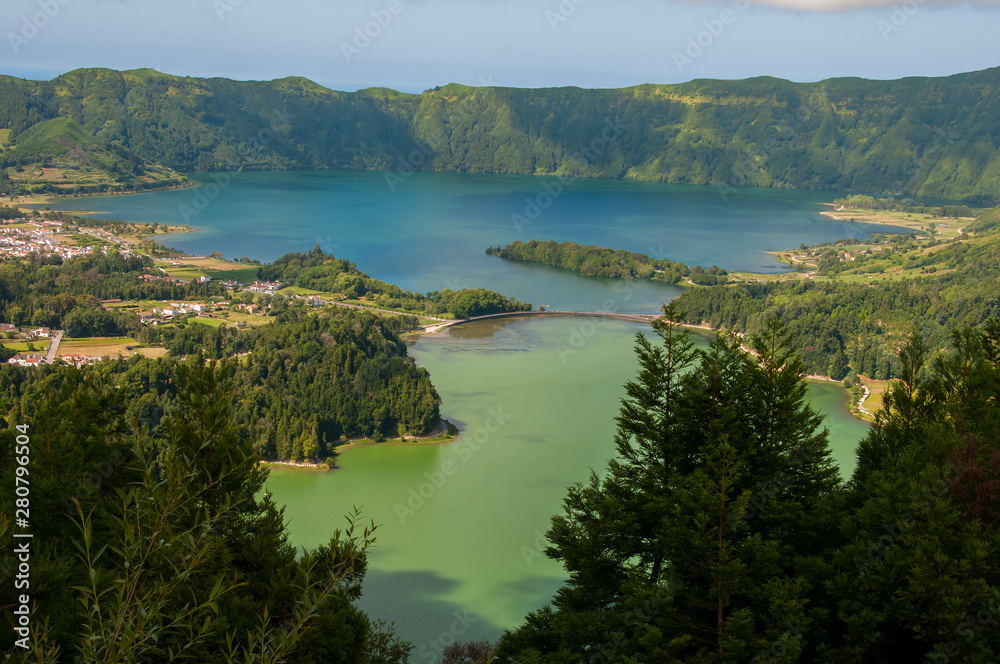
930,137
61,156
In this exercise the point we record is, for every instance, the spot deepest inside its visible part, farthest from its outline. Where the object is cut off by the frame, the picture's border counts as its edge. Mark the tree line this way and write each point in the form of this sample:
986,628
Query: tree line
305,381
865,323
593,261
721,532
159,543
317,270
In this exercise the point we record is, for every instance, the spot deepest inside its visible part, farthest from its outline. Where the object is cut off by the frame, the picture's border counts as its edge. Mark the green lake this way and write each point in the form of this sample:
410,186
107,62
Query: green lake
460,524
459,546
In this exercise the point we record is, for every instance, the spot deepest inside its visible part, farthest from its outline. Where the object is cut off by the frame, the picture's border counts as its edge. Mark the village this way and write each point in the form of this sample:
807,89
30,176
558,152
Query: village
34,346
22,237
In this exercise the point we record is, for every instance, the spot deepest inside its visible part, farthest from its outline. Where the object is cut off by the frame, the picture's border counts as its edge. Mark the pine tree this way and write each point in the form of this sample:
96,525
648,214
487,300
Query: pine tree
917,579
721,470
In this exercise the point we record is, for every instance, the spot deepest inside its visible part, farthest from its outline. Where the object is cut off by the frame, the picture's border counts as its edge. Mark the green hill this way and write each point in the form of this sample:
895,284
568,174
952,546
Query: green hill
986,223
61,156
926,137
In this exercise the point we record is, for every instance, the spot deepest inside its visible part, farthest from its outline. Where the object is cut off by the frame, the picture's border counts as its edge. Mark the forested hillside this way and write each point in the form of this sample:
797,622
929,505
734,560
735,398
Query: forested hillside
592,261
154,541
931,137
855,315
304,381
720,532
320,271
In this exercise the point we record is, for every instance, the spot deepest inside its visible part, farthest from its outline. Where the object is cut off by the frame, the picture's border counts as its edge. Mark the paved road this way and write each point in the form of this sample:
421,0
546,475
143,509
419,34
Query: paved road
50,357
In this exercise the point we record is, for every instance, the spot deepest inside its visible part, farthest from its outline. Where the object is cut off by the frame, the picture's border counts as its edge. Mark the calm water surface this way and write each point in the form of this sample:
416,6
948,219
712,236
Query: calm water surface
535,398
432,230
468,540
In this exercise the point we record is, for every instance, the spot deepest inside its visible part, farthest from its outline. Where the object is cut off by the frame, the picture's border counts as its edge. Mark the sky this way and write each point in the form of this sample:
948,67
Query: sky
413,45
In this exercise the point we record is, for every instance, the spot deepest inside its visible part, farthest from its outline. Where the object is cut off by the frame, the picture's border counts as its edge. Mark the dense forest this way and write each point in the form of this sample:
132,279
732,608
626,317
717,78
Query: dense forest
926,137
592,261
155,543
843,325
720,532
320,271
304,381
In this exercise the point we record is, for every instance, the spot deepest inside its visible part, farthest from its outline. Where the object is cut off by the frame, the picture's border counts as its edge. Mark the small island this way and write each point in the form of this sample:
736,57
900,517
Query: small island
594,261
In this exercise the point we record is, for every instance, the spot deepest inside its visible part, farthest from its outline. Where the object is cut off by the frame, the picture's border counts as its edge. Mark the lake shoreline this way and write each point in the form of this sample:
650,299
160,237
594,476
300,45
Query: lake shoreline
447,432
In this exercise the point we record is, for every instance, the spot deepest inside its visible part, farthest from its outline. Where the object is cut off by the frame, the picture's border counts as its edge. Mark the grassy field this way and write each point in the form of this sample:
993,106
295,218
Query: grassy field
249,319
372,305
4,137
40,345
96,346
29,200
87,240
214,264
192,268
945,227
295,290
877,388
211,322
246,275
